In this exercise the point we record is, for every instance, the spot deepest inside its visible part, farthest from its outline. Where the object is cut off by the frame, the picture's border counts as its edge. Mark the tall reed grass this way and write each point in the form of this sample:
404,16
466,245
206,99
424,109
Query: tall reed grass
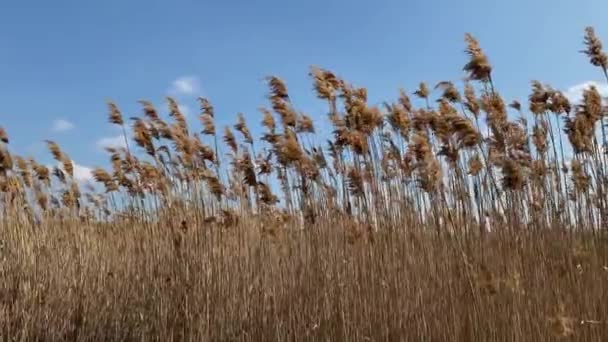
444,214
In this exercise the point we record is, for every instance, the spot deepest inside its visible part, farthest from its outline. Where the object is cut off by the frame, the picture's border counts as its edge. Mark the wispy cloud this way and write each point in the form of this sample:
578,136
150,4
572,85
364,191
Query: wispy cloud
61,125
36,148
82,173
575,93
114,141
184,109
185,85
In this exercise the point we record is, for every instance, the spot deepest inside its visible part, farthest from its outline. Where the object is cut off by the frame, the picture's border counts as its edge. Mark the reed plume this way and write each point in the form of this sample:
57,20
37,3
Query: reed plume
478,66
3,135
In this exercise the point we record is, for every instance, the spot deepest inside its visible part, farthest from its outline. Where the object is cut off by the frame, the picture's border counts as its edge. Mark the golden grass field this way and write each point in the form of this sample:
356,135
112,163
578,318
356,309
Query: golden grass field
446,214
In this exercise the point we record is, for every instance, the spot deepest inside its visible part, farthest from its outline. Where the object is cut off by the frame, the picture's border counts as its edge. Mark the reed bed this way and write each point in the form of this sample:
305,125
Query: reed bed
448,213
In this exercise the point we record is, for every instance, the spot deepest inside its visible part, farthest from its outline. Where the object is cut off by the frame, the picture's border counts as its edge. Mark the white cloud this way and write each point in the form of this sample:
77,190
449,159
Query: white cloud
61,125
185,85
184,109
575,93
82,173
36,148
114,141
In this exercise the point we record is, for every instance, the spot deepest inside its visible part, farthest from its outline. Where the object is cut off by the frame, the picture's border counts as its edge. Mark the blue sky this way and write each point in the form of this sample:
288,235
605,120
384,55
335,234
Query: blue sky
61,60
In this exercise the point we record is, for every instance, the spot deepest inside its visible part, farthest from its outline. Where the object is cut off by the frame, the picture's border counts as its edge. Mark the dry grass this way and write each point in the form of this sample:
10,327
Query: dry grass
448,216
74,282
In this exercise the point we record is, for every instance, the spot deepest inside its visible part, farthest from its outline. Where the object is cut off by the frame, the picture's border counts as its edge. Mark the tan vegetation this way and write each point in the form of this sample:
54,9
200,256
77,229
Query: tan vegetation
462,218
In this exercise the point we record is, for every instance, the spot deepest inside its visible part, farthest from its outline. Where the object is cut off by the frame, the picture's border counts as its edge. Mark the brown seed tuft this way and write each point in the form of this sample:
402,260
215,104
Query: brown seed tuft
114,116
594,49
3,135
478,67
